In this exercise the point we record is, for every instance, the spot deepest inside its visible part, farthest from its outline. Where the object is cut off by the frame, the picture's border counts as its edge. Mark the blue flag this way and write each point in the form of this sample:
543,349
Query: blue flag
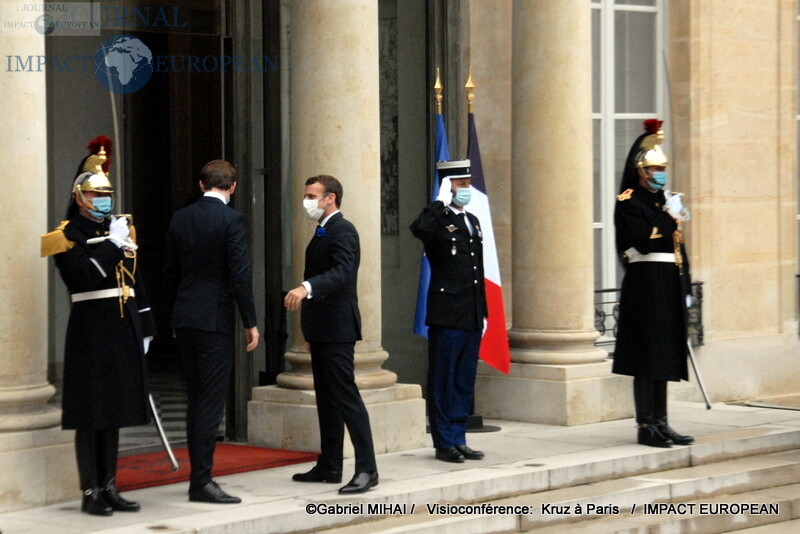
442,154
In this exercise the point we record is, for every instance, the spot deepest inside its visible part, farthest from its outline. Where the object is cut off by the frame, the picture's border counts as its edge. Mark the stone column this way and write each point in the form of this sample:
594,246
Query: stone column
36,457
334,118
558,376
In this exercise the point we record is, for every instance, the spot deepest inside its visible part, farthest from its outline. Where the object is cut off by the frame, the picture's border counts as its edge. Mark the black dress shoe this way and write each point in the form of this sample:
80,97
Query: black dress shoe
449,454
468,453
319,475
360,483
651,436
111,496
94,504
212,493
677,439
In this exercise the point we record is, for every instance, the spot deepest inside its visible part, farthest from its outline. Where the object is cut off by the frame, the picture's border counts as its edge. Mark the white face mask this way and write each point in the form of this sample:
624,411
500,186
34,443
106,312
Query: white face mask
311,205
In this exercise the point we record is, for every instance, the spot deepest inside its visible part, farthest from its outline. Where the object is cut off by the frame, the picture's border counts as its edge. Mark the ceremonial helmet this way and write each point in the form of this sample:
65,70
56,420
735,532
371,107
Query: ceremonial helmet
650,153
645,152
92,173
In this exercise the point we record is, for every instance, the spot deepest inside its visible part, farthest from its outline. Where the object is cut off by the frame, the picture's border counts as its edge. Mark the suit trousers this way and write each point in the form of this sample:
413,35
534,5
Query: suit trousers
452,365
207,362
339,404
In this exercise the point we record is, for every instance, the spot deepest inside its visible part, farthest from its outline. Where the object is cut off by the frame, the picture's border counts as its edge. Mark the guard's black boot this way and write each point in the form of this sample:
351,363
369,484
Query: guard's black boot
667,432
86,455
93,502
651,436
112,498
108,447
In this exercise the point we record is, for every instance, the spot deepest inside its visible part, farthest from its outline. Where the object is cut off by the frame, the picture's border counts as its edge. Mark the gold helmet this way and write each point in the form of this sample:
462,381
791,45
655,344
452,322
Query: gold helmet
651,154
92,174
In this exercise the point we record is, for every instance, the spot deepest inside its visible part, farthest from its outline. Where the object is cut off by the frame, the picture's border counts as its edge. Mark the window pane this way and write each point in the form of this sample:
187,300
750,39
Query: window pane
596,171
636,2
625,133
635,62
596,61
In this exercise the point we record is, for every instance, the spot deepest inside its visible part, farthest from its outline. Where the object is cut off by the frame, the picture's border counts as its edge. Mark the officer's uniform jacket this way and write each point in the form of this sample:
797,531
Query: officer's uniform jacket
652,332
105,384
456,295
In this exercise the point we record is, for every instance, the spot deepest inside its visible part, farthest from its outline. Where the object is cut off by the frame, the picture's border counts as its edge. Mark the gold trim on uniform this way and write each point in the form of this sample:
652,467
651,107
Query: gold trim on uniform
625,195
654,234
55,242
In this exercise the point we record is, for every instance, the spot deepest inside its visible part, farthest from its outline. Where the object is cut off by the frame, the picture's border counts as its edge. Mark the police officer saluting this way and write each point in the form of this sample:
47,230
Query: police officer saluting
656,290
456,309
110,327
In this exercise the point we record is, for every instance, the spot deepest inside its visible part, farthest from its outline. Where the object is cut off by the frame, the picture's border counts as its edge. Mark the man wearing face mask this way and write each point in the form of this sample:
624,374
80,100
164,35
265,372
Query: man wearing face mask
456,309
331,324
656,290
109,330
207,274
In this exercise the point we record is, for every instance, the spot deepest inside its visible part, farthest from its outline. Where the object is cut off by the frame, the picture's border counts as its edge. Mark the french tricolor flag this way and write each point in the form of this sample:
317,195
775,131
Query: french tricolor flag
494,346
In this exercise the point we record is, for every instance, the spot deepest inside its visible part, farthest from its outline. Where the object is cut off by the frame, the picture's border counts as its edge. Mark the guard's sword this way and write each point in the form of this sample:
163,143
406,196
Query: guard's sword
697,373
162,435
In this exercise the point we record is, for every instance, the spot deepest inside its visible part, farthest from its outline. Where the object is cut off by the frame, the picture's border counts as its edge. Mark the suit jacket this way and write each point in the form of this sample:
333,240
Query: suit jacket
332,260
207,267
456,294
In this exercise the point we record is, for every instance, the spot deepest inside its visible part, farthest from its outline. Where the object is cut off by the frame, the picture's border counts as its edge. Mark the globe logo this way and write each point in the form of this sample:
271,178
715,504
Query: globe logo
44,24
123,64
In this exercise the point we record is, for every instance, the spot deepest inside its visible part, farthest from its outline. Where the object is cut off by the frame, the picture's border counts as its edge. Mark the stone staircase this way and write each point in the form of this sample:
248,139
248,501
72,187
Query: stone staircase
726,483
743,456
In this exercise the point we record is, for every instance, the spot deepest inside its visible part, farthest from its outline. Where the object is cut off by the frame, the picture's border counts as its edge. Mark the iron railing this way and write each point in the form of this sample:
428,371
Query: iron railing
606,315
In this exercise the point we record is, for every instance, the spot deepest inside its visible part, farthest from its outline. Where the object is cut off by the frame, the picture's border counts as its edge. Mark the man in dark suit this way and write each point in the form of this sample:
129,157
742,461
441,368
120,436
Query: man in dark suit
456,309
331,325
206,269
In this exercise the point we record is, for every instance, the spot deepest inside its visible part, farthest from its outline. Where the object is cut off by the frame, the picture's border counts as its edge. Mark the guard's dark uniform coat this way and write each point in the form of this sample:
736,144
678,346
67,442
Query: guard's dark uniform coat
456,295
105,385
652,332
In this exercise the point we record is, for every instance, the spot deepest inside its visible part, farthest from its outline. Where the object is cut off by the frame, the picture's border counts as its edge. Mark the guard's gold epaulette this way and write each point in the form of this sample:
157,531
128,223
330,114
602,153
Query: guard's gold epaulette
132,235
625,195
56,242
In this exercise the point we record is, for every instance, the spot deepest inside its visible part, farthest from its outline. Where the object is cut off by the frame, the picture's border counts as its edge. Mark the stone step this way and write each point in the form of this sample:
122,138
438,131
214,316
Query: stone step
526,464
702,499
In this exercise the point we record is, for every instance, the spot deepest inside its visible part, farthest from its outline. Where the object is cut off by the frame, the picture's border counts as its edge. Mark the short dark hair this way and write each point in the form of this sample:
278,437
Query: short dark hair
218,173
330,184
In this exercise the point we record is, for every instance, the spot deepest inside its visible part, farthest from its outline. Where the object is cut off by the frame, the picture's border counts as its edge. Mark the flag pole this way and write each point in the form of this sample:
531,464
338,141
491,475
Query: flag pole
470,87
437,88
474,422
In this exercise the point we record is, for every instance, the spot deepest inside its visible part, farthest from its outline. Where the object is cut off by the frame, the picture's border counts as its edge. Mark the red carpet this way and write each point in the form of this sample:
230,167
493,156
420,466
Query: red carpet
154,469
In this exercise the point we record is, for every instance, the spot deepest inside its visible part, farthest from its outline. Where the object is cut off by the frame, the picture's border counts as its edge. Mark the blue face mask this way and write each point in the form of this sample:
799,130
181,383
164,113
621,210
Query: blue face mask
103,206
462,197
657,180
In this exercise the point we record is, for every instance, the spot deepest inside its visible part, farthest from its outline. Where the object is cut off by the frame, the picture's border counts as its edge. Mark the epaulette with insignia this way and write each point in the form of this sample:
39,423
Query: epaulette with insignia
55,242
625,195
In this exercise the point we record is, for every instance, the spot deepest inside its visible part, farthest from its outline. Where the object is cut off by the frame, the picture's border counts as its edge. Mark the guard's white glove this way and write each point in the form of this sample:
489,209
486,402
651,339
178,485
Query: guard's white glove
146,342
445,193
118,231
674,206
